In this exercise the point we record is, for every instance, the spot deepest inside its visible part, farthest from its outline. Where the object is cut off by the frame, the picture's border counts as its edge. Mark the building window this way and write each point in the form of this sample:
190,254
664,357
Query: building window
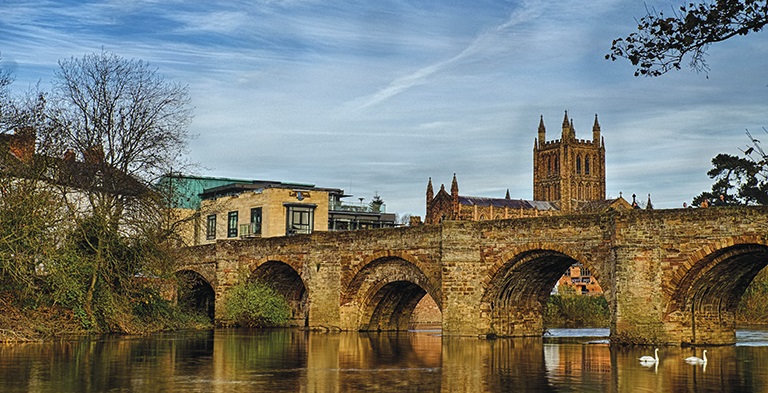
210,228
586,165
256,221
299,219
578,164
232,224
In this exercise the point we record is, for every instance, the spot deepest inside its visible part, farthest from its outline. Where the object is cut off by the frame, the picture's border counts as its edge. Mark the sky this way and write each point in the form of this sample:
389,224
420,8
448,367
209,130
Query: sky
380,96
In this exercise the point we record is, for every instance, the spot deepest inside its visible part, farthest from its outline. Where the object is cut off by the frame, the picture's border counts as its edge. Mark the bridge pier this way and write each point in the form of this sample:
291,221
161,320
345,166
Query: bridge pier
639,305
321,275
463,273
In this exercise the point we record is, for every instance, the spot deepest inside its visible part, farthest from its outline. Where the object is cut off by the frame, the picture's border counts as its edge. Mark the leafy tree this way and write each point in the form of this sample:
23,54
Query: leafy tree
737,180
661,42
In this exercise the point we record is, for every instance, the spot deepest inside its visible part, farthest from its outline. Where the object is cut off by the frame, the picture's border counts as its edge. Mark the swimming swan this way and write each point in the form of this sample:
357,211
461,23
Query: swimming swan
649,359
695,360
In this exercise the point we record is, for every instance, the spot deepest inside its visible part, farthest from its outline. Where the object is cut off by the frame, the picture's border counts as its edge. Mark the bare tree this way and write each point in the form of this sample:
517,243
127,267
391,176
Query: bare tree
119,126
6,78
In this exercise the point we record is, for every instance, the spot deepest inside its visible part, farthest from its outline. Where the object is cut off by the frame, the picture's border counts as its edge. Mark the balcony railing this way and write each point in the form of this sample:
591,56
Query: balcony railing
250,230
339,206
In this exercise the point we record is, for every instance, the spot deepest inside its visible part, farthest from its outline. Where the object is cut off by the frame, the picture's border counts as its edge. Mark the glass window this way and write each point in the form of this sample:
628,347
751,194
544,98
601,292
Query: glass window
256,221
299,219
232,224
210,228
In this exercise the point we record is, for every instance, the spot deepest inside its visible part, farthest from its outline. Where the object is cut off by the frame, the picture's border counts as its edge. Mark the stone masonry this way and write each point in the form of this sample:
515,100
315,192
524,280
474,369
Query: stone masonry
670,276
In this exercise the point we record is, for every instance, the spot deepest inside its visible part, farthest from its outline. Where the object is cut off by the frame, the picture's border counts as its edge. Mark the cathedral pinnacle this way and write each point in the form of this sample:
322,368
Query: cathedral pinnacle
596,131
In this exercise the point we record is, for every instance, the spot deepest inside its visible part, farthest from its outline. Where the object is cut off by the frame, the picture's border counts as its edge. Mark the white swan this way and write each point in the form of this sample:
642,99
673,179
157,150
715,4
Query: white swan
695,360
650,359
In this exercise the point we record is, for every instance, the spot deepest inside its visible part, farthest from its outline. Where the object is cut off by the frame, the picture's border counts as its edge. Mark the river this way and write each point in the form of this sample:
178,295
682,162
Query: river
237,360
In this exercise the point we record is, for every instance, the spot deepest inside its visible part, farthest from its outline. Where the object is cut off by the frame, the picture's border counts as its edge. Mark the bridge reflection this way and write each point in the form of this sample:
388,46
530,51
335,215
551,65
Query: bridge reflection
292,360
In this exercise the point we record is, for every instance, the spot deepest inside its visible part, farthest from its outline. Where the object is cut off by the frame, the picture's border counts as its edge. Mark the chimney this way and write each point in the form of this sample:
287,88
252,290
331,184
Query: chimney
69,155
22,144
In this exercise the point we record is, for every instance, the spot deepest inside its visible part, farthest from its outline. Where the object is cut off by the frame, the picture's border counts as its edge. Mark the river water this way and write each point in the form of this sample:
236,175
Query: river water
235,360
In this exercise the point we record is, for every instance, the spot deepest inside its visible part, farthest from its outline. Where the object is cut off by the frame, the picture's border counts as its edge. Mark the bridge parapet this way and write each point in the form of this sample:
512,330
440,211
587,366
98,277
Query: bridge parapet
670,276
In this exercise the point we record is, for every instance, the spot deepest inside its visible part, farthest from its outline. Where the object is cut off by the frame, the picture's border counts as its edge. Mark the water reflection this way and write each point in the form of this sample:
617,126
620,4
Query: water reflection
299,361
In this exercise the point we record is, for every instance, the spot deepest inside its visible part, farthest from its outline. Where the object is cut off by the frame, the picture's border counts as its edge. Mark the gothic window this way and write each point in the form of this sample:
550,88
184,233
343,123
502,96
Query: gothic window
578,164
549,165
586,165
557,164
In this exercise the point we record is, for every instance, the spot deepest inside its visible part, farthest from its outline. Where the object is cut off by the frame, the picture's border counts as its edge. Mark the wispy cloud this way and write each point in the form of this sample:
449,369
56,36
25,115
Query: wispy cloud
383,95
521,15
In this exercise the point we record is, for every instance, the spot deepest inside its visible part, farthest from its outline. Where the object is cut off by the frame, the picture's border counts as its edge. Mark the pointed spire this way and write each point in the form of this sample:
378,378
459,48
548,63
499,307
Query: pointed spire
542,131
596,131
649,205
454,186
567,125
430,192
507,196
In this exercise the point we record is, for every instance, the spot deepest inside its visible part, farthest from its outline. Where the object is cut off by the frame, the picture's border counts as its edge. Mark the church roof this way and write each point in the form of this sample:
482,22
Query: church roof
506,203
603,205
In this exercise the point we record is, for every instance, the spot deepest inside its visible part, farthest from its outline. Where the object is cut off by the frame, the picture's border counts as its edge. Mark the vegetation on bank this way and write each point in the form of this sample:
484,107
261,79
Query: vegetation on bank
570,310
753,307
85,235
254,304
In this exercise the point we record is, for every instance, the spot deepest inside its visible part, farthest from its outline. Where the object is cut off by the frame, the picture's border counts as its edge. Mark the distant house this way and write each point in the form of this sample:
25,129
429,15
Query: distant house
70,174
228,208
580,279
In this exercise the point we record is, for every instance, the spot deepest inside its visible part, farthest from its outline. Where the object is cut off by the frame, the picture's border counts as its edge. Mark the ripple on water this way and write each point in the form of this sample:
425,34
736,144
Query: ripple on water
752,338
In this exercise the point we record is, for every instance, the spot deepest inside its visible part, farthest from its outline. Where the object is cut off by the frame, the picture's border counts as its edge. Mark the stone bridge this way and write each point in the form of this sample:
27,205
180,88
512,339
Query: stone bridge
670,276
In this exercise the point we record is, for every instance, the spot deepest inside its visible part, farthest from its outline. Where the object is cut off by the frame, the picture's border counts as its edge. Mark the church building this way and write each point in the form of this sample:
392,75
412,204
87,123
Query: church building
568,178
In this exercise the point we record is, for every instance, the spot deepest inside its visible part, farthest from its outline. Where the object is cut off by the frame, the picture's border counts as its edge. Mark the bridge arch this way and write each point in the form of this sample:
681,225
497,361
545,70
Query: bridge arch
285,280
383,294
194,292
705,293
519,284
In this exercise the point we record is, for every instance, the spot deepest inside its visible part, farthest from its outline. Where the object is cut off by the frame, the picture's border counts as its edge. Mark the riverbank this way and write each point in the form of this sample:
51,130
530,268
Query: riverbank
19,323
40,324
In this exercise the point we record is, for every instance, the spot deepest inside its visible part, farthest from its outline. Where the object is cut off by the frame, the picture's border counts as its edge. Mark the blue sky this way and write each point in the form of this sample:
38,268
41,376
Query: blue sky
380,96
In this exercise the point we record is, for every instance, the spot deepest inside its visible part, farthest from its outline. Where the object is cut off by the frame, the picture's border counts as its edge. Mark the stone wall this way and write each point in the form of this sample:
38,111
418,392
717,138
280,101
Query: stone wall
670,276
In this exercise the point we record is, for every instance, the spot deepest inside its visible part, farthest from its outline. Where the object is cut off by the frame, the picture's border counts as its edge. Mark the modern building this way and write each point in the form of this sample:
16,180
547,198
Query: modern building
226,208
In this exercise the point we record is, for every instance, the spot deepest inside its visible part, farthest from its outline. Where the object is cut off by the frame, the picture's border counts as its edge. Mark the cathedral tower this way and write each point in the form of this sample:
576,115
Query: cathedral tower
568,170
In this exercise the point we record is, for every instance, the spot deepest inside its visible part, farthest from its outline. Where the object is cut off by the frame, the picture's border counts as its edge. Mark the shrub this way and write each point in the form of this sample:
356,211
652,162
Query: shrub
569,310
254,304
